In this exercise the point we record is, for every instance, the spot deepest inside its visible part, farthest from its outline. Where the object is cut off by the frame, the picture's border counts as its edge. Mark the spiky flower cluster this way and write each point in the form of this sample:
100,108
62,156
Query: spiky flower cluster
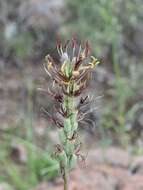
70,77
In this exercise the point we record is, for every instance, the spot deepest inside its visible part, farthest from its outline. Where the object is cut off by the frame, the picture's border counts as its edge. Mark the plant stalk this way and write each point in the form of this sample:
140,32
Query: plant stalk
71,78
65,178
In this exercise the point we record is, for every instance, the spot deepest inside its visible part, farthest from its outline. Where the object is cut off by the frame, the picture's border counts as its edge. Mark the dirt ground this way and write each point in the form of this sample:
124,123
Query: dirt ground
112,169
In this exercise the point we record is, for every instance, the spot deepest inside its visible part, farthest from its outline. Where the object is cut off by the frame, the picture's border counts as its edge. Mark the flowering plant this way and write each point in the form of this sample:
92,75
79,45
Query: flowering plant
70,77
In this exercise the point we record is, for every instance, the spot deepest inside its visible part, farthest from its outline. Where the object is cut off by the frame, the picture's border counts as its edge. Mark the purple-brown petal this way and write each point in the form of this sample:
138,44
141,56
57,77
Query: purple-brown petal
78,63
87,49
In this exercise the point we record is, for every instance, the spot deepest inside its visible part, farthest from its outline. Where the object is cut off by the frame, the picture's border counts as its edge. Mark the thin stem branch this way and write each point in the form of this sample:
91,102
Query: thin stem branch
65,178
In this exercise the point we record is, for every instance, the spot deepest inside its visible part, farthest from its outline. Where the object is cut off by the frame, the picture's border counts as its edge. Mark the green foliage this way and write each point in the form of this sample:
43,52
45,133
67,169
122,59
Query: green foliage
39,166
102,22
71,79
21,45
116,113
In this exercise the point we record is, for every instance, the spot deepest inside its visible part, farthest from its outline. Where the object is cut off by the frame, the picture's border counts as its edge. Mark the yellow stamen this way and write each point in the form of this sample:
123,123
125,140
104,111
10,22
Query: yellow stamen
94,62
63,67
50,65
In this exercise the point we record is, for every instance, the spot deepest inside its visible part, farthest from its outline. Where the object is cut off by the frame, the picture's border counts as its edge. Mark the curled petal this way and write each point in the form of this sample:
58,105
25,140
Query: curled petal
59,98
78,148
58,148
59,47
63,112
87,49
66,44
62,77
57,123
83,100
73,42
78,63
82,77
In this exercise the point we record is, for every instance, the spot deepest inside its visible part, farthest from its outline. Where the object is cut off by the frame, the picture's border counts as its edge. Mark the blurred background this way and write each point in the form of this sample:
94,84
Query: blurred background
28,31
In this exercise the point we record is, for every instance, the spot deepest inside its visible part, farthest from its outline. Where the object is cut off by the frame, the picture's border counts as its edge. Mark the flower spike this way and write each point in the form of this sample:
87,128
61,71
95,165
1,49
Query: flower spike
69,78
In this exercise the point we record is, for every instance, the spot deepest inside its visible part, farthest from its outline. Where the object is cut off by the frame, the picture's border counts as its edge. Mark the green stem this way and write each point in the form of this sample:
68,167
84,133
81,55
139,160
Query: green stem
65,178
